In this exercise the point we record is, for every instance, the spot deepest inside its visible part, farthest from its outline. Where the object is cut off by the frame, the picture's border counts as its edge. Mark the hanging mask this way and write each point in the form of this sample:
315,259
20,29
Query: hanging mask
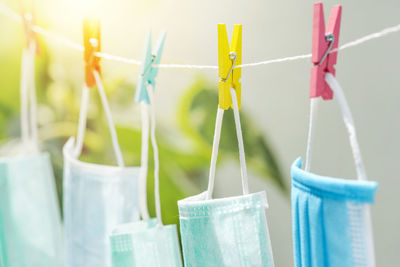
331,216
30,224
229,231
97,198
148,242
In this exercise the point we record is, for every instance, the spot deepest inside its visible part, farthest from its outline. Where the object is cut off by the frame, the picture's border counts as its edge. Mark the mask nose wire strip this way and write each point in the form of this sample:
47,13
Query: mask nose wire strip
217,137
107,111
311,131
144,159
155,155
348,121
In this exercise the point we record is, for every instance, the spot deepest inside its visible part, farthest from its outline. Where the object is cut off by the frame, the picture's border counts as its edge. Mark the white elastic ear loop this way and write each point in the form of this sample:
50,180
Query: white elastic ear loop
155,155
361,173
32,100
348,121
311,131
217,137
144,212
82,122
107,111
214,153
24,81
242,158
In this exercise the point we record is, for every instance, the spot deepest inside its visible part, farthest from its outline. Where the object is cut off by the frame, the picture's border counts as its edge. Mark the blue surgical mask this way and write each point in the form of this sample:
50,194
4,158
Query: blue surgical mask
30,224
331,216
229,231
97,198
148,242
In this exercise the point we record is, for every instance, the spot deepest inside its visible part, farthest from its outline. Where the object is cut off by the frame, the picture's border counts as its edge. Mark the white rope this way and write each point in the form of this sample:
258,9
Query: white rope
348,121
311,130
5,10
217,137
155,155
144,159
107,111
24,97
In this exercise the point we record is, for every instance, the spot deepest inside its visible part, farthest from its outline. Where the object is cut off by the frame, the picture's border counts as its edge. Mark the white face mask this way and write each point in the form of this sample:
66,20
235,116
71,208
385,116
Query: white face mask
30,225
97,198
148,242
229,231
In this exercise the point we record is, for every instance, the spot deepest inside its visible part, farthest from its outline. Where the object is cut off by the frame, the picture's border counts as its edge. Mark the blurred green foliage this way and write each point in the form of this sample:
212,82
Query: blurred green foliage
185,150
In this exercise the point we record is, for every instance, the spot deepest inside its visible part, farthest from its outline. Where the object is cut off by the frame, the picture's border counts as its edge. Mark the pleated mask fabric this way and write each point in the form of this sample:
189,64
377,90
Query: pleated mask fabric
329,219
331,216
147,242
30,223
229,231
97,197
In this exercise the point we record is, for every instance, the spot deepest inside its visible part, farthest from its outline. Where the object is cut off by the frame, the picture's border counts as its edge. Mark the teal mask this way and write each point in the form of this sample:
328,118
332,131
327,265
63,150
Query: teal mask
148,242
331,216
230,231
30,225
97,198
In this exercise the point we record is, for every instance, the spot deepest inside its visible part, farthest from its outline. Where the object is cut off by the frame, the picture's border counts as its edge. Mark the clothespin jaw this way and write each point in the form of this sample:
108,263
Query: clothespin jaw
323,42
92,44
28,20
149,70
228,57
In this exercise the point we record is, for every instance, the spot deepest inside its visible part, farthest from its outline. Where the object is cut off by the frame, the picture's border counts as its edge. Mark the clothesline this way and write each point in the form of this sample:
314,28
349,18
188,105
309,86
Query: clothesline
5,10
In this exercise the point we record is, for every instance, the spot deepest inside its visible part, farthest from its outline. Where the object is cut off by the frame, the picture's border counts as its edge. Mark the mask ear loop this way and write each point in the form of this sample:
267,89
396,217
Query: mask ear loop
107,111
361,173
155,155
144,212
214,154
33,101
29,134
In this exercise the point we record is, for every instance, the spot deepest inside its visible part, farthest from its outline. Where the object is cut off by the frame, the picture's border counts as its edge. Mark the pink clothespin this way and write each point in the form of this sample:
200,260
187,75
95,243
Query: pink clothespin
323,42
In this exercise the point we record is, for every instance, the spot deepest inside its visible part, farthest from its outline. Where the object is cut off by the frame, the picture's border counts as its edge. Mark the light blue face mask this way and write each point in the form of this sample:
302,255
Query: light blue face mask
148,242
97,198
229,231
30,225
331,216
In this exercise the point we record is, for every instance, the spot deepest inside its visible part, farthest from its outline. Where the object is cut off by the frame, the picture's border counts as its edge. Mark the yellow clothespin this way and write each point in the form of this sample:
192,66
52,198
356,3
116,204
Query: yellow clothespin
92,44
228,57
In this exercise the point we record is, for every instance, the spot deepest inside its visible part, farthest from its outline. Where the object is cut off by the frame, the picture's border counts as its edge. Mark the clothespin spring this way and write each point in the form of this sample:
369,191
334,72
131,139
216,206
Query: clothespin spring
233,57
153,58
331,39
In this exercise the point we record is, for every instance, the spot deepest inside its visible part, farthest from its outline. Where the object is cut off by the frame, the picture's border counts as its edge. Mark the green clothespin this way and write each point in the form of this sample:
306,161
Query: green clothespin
148,72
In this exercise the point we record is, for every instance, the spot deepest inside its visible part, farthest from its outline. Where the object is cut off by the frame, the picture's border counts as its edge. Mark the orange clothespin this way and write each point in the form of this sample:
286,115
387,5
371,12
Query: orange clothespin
92,44
28,20
228,57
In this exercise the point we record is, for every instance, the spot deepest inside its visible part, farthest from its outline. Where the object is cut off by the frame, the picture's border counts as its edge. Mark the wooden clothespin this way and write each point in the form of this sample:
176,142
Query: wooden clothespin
228,57
92,44
323,42
28,20
149,70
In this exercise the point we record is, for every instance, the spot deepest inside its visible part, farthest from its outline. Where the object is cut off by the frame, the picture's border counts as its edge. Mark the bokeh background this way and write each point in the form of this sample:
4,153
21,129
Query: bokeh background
275,98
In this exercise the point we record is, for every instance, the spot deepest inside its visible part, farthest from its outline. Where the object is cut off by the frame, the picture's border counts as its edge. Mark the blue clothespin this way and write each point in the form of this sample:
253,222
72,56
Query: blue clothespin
148,72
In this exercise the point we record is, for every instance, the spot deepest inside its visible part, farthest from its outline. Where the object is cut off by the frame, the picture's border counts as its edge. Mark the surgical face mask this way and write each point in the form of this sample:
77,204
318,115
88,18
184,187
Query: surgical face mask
148,242
96,197
229,231
30,225
331,216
